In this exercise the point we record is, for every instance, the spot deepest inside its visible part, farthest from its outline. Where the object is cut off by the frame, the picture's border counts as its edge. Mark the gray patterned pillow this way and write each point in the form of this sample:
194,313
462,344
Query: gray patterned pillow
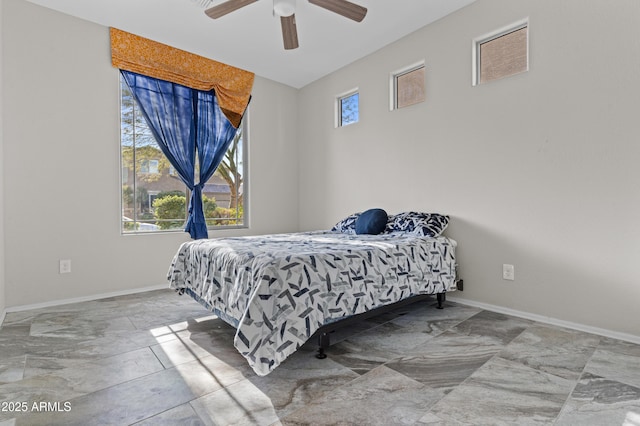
424,224
347,225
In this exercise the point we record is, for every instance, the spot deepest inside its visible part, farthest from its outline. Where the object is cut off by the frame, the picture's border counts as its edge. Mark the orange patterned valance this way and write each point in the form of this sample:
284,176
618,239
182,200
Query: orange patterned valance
143,56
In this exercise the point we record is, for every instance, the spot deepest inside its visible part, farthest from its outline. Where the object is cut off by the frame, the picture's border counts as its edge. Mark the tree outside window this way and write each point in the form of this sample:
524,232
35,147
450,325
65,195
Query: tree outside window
348,109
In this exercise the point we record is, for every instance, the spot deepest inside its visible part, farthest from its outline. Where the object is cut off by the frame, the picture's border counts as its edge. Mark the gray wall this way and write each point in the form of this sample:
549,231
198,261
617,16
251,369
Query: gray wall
539,170
2,285
61,155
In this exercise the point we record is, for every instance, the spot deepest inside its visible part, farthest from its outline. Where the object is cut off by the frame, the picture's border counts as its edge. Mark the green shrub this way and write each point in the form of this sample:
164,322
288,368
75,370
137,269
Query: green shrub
170,211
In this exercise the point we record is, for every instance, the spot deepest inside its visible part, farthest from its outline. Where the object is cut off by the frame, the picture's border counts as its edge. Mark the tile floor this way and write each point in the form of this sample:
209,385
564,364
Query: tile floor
157,358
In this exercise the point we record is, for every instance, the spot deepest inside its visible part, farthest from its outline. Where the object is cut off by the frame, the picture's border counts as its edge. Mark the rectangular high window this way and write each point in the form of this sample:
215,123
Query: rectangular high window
501,54
407,86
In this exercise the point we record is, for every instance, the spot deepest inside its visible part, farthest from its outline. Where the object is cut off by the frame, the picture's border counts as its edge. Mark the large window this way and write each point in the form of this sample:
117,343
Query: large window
153,196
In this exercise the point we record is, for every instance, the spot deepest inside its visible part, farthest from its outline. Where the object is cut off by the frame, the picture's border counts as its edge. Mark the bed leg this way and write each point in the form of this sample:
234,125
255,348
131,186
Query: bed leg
441,298
323,342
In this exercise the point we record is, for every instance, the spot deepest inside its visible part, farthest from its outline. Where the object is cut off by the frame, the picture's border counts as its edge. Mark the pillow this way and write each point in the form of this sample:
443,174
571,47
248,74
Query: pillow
372,221
347,225
389,227
424,224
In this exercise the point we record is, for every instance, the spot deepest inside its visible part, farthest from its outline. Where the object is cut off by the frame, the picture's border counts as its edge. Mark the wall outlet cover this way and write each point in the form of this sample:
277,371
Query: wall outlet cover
508,272
65,266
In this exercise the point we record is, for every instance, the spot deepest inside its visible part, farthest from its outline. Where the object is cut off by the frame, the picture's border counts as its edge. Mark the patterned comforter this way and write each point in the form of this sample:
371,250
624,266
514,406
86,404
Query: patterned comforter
277,290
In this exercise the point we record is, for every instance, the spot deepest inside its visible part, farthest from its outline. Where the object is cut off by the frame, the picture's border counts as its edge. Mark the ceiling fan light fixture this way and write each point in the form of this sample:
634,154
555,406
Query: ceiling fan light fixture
284,8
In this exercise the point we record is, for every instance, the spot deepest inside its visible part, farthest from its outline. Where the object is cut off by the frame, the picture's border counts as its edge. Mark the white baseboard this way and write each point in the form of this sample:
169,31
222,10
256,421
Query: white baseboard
549,320
79,299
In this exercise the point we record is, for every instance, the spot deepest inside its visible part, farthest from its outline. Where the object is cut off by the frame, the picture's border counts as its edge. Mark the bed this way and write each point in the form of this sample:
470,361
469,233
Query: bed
279,290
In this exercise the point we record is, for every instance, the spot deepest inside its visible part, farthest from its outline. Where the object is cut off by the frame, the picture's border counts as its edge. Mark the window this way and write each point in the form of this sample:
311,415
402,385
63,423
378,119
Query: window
154,198
501,54
347,108
149,166
407,86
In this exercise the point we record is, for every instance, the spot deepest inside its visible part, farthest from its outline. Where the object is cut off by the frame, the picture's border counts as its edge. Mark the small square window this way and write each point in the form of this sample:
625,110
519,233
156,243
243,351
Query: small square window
348,108
501,54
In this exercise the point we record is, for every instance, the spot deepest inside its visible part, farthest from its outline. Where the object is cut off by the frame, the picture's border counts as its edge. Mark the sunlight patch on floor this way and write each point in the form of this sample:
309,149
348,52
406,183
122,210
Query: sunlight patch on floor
632,419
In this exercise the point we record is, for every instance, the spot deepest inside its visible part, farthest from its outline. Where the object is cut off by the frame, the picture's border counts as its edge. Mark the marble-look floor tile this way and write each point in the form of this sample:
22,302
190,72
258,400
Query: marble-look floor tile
18,330
41,388
12,369
110,344
427,319
182,415
82,378
300,380
502,392
72,327
503,328
36,365
367,350
179,351
167,315
166,308
31,315
93,375
616,360
188,346
390,337
239,404
359,355
446,360
347,332
599,401
380,397
13,346
209,323
210,373
97,346
554,350
127,402
632,418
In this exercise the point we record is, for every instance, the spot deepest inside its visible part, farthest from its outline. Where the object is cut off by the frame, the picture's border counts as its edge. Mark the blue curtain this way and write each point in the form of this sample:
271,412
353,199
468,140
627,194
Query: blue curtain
184,122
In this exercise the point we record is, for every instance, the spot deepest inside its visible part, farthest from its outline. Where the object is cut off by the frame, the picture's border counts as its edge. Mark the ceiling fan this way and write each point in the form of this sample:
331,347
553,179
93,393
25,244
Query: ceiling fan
286,10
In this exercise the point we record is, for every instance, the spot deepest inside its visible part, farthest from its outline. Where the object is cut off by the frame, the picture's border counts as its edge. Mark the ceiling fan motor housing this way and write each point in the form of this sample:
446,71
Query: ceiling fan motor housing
284,8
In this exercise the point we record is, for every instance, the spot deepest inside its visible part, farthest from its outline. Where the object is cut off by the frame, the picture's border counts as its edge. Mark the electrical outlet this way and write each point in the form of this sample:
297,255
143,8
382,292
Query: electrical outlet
508,272
65,266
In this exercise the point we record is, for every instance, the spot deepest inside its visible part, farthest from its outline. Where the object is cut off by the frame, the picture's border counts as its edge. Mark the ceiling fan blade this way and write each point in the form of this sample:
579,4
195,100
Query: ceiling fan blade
289,32
343,7
227,7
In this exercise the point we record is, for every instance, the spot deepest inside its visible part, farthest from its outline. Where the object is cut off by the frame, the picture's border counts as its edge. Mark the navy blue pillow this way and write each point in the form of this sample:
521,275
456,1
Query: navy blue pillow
372,221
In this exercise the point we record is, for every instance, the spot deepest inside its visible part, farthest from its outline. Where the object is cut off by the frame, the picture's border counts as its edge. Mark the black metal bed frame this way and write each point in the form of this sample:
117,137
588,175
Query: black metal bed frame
323,332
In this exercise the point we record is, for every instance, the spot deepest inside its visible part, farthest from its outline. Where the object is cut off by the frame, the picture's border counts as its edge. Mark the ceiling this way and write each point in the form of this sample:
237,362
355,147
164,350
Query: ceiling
251,37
